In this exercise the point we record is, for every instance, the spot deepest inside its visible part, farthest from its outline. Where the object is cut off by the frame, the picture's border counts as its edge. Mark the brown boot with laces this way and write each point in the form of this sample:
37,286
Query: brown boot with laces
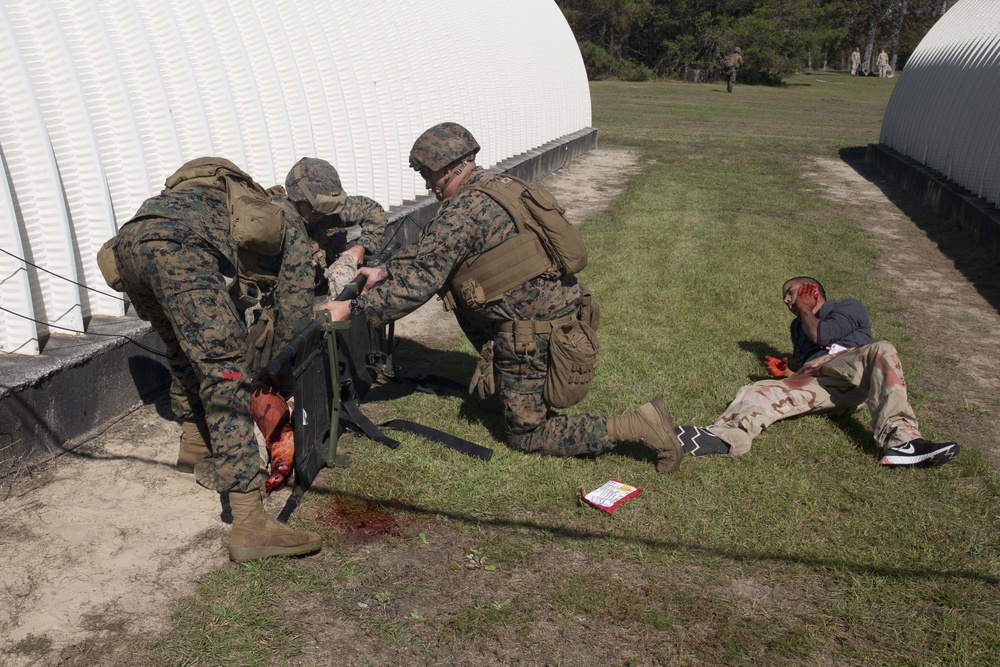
652,426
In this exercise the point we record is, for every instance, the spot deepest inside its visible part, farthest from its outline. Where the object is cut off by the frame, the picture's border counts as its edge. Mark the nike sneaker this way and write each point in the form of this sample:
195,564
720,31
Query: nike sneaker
921,452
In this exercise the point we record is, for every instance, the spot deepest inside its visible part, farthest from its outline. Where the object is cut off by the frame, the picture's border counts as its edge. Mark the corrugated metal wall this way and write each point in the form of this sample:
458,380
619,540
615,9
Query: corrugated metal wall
945,110
104,99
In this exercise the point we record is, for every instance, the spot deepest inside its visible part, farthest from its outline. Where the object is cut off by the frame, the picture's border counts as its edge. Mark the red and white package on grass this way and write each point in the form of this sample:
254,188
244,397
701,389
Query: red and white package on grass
610,495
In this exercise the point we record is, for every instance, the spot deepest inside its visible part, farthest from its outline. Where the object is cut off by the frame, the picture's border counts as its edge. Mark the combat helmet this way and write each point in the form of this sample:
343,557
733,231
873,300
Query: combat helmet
317,183
441,145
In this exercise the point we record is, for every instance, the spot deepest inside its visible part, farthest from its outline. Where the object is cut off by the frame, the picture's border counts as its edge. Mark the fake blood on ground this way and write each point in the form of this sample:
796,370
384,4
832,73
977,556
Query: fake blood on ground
361,518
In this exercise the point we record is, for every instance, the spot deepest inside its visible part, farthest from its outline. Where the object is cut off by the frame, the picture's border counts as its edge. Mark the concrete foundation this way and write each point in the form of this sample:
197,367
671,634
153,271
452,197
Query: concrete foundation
79,385
953,203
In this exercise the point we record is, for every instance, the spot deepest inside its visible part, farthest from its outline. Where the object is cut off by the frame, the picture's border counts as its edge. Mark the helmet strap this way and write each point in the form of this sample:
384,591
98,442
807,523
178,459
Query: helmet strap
456,173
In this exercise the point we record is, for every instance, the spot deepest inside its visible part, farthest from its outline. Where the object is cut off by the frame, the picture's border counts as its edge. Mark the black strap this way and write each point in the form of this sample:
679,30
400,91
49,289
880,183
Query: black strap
352,415
448,440
427,383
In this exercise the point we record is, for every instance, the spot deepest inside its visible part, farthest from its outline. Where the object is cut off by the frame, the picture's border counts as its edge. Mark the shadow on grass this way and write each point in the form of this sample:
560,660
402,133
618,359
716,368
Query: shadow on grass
975,263
734,555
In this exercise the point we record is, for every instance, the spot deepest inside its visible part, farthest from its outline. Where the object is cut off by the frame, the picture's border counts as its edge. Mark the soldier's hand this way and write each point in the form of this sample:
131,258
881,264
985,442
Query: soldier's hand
374,274
777,367
339,311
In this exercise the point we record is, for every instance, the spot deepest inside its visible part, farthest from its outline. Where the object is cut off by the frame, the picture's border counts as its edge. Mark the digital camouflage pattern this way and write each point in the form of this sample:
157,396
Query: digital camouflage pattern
441,145
329,233
470,223
176,257
311,176
835,384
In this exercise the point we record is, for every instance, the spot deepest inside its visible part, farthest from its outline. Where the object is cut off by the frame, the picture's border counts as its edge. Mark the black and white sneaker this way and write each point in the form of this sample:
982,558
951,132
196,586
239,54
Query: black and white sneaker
699,441
921,452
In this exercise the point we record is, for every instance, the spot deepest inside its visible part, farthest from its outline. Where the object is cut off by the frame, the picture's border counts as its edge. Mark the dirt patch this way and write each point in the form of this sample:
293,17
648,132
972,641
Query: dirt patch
951,291
101,541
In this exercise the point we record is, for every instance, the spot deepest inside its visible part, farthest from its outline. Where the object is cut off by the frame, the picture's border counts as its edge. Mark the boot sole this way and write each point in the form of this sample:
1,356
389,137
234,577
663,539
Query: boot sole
668,460
243,554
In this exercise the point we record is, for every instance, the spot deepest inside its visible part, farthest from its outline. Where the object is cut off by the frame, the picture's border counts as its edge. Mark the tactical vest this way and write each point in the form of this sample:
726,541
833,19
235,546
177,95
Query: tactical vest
546,244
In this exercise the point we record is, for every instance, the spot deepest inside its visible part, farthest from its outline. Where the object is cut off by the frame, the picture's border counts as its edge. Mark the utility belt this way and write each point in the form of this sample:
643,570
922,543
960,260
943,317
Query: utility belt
524,331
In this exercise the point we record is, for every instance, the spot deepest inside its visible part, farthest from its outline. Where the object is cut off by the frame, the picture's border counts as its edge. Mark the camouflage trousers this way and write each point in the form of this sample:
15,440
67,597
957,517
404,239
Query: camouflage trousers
835,384
532,426
173,278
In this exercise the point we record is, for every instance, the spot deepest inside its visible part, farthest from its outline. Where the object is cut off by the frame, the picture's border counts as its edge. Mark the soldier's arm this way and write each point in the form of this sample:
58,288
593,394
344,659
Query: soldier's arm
368,213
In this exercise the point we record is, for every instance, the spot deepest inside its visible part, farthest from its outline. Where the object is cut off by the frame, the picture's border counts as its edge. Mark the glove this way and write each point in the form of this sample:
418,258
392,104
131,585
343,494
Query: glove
776,367
807,297
341,272
482,379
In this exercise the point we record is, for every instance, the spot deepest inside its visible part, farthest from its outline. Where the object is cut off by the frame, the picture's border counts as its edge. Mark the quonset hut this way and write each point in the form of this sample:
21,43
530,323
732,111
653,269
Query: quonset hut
105,98
941,132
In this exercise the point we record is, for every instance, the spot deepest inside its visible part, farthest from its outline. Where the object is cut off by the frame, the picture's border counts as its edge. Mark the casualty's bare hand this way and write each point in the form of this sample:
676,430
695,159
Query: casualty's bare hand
374,274
340,311
807,297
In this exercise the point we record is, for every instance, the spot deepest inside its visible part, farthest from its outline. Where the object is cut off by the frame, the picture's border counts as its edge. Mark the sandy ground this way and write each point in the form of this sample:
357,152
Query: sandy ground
99,542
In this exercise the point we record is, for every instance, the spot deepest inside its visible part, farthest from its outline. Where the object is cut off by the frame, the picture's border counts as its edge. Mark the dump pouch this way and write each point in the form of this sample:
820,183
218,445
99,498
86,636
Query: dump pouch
108,265
572,356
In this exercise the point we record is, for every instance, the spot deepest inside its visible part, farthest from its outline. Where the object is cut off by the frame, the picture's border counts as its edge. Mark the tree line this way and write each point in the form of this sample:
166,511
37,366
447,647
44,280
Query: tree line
638,40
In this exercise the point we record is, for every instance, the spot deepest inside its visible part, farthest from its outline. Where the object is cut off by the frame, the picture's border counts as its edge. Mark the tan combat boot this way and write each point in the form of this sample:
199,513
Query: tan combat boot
256,535
651,426
194,445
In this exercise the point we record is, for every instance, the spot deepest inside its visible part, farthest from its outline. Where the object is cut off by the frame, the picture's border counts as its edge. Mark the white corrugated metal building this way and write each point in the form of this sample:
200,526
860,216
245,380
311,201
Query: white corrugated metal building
105,98
944,113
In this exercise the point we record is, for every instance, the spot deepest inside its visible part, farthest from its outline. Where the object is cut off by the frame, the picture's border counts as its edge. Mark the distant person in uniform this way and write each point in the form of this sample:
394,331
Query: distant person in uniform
883,64
734,62
855,60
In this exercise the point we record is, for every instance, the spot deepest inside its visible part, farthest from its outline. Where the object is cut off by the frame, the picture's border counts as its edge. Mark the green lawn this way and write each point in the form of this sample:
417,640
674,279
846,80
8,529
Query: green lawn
802,552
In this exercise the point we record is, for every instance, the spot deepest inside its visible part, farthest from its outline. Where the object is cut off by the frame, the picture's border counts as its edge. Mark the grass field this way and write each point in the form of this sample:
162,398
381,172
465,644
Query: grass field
803,552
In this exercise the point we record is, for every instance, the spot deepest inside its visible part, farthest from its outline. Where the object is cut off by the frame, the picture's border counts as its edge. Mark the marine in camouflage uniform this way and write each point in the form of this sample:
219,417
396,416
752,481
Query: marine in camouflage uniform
840,369
734,63
314,190
178,264
469,223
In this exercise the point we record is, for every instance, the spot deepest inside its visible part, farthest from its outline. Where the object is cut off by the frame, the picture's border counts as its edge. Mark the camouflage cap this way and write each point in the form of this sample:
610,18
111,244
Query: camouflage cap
441,145
310,177
317,183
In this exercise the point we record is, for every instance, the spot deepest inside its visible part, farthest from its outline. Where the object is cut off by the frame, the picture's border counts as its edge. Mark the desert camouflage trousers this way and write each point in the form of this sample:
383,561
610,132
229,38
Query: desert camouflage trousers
173,278
835,384
532,426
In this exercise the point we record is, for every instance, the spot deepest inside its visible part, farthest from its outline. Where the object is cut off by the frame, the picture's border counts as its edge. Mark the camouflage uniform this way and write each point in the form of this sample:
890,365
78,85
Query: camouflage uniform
469,223
834,384
734,62
311,180
176,258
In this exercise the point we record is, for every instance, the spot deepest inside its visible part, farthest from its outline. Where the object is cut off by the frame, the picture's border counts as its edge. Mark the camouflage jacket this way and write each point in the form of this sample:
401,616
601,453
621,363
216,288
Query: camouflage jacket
204,211
330,235
469,223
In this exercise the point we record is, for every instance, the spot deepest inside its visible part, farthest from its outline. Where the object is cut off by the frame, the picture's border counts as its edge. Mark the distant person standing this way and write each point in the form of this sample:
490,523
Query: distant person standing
883,64
734,62
855,60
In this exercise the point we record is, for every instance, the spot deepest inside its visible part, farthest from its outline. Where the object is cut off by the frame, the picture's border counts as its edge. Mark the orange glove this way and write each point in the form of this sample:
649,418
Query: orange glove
807,297
776,367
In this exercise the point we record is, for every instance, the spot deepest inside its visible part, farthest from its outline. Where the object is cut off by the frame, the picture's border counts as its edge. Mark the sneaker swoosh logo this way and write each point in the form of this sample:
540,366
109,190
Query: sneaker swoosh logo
908,448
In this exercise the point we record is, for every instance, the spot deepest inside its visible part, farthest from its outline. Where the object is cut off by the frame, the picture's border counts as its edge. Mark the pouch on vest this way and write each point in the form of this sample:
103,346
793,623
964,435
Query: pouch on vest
562,239
256,224
572,356
108,265
590,310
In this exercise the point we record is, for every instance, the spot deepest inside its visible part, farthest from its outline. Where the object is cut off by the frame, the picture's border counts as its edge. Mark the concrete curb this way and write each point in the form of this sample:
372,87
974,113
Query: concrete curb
952,202
79,385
